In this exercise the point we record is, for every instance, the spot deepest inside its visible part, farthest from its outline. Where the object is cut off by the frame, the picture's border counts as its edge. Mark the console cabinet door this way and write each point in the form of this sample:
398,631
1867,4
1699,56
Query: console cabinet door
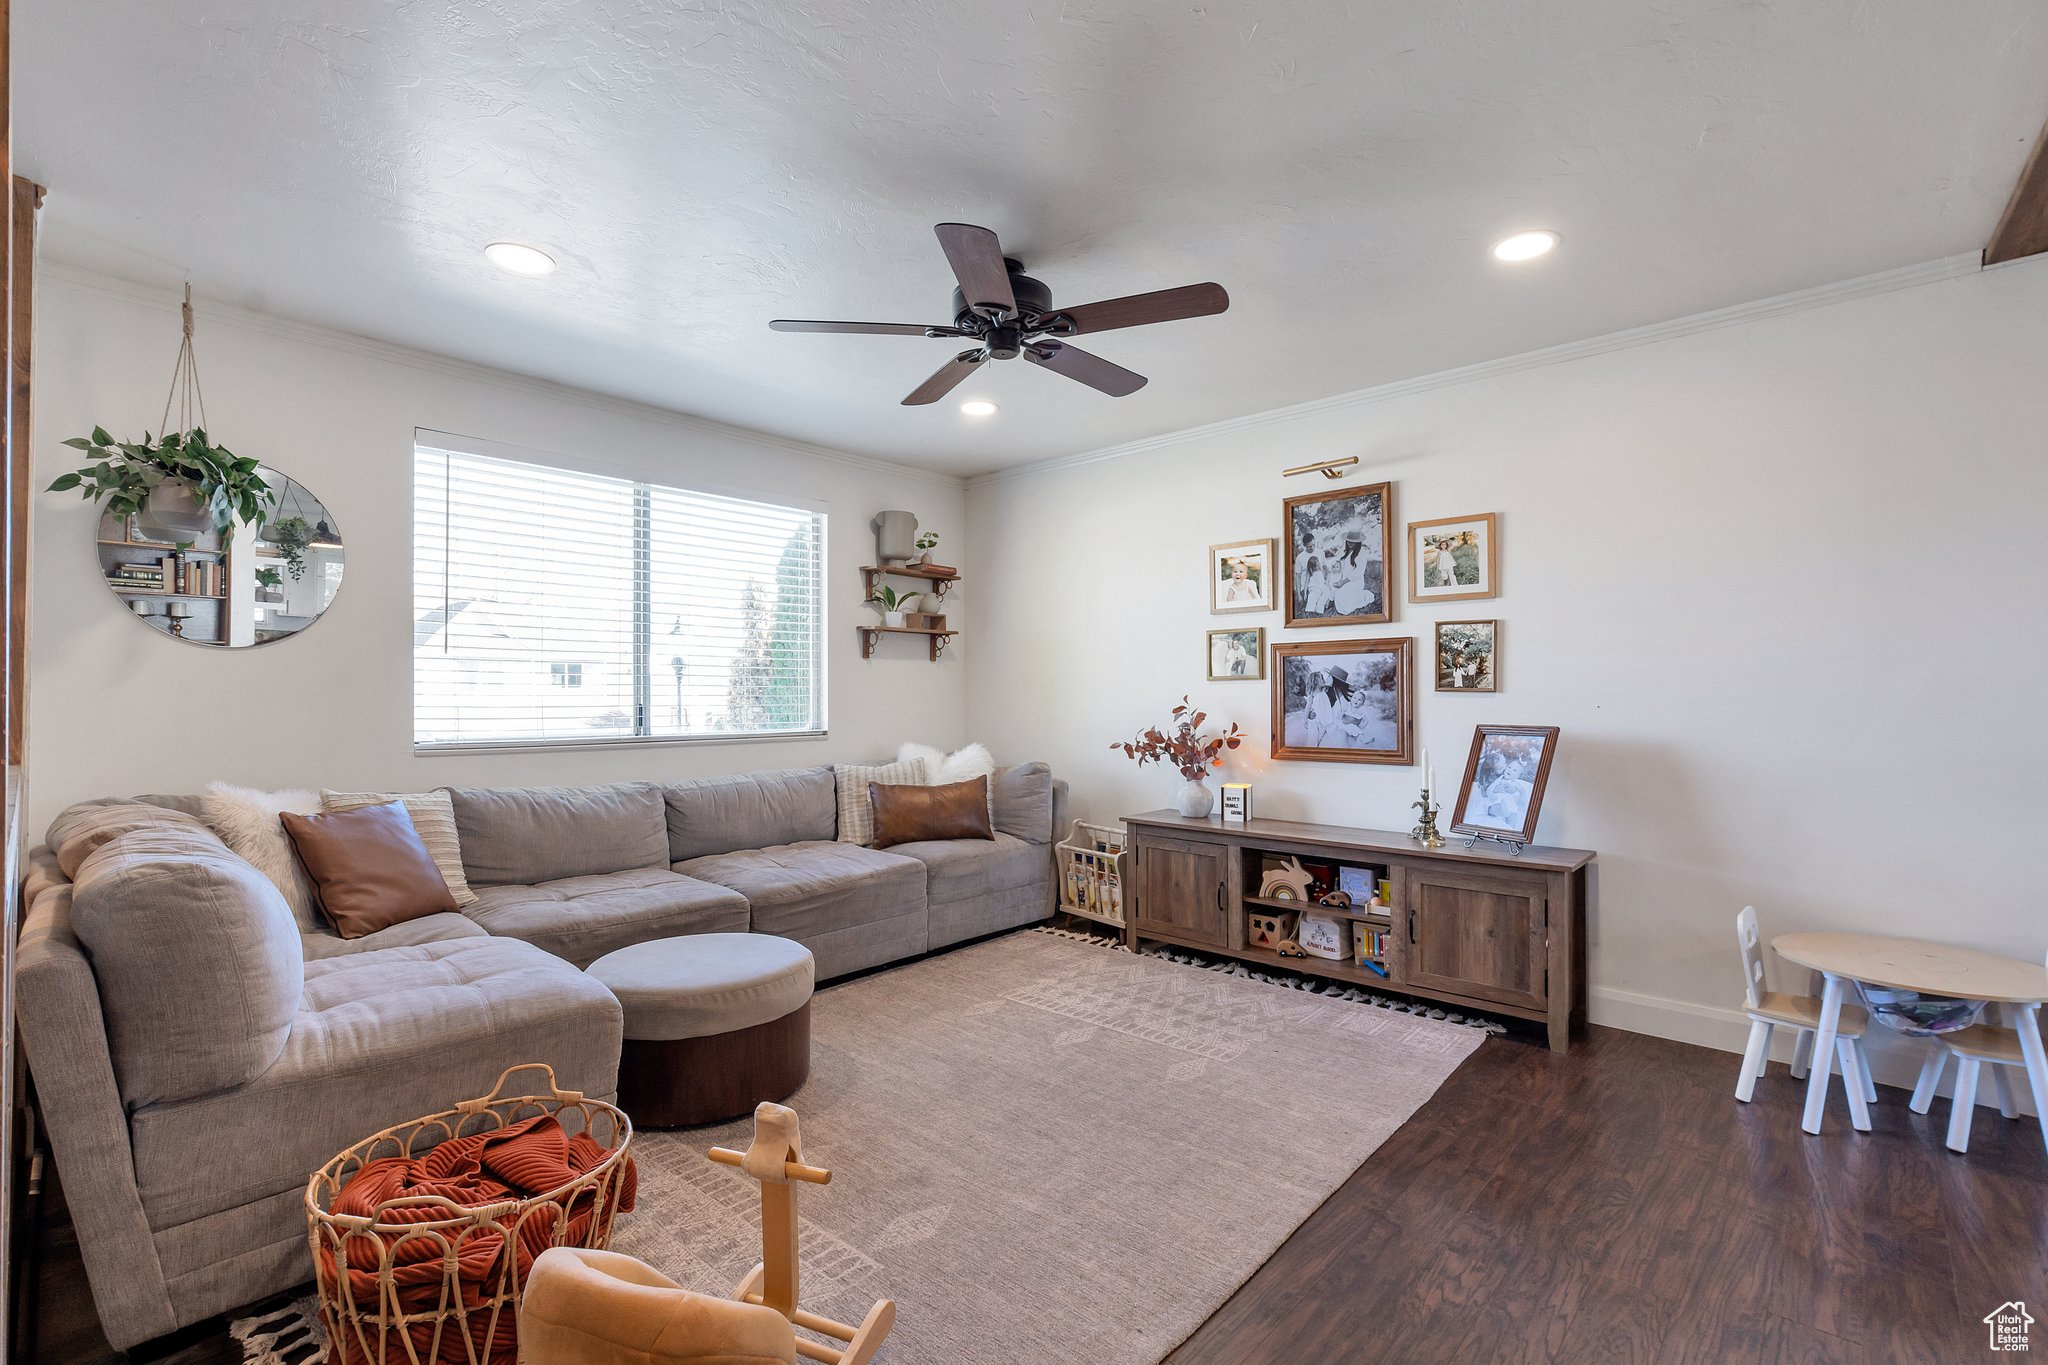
1181,890
1476,935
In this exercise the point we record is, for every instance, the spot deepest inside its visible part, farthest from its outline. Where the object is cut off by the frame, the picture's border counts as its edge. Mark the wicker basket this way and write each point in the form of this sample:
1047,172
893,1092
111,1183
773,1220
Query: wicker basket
386,1299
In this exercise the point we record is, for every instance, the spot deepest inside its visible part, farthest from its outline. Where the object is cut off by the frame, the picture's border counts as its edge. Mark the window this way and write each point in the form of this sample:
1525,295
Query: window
557,606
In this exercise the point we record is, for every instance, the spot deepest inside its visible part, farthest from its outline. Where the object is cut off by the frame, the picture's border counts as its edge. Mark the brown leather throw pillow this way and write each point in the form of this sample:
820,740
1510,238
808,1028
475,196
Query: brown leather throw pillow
371,867
909,815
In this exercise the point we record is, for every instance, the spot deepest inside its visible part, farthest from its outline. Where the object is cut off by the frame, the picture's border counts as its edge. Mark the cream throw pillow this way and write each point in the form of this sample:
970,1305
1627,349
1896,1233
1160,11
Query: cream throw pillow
856,811
433,816
246,821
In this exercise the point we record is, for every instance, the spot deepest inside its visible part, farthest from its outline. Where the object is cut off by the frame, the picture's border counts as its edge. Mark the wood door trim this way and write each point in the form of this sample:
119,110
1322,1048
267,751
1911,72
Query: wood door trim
2023,228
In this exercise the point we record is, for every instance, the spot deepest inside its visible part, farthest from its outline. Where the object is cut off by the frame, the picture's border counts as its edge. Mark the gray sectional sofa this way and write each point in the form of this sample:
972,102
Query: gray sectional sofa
196,1055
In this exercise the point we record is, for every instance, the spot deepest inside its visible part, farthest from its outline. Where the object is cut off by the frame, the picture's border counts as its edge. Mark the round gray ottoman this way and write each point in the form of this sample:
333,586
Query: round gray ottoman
715,1024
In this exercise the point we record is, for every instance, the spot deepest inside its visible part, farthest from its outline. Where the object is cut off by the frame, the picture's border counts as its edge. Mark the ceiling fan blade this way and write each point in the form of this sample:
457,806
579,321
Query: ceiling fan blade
1092,370
977,260
886,329
946,379
1162,305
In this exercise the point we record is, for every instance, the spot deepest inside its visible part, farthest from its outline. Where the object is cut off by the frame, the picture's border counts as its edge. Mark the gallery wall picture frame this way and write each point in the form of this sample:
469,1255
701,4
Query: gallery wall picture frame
1344,701
1338,560
1241,576
1237,655
1454,559
1467,656
1505,776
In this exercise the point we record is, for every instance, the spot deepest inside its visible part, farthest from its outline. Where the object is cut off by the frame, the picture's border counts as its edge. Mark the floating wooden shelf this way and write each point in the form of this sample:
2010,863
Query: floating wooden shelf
182,596
938,575
869,635
165,546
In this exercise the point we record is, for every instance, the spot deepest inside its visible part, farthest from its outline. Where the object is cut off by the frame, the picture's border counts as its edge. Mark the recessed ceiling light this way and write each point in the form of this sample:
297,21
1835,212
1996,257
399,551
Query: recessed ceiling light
514,259
1524,246
978,407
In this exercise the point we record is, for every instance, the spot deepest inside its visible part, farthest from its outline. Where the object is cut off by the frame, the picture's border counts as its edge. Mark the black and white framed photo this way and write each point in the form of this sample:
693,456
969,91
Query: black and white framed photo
1505,775
1453,559
1338,567
1468,656
1241,577
1237,655
1343,701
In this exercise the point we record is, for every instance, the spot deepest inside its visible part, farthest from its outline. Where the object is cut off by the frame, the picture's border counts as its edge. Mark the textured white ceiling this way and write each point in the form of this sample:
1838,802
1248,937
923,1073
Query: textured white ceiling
700,168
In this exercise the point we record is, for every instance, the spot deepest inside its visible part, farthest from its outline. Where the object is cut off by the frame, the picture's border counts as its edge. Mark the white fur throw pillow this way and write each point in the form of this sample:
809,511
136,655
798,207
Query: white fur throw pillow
246,821
943,769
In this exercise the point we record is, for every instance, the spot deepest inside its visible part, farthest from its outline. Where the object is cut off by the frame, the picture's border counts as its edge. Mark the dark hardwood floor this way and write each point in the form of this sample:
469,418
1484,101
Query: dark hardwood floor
1612,1204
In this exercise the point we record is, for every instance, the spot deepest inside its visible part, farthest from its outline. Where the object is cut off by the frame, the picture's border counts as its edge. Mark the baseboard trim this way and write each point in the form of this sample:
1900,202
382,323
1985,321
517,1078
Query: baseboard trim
1894,1058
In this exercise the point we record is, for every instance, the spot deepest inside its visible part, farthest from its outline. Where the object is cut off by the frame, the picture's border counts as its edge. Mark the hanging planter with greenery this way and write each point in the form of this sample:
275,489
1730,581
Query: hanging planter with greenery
291,536
182,478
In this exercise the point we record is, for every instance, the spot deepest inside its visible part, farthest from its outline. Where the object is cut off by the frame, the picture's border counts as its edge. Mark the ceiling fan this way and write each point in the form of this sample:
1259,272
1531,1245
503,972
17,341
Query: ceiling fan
1008,314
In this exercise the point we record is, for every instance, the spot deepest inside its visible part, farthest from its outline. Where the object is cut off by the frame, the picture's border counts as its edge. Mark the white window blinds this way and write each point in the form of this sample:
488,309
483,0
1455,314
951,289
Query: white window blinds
555,606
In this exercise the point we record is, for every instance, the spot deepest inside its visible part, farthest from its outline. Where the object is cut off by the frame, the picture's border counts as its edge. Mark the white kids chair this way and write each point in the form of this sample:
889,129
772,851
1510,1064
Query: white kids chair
1768,1009
1977,1046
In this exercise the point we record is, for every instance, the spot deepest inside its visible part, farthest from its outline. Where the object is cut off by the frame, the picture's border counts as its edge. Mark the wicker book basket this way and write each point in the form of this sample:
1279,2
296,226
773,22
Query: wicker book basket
425,1279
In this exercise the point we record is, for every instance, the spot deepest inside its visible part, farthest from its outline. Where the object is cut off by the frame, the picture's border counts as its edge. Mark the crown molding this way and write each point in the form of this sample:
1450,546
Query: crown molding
1822,296
351,343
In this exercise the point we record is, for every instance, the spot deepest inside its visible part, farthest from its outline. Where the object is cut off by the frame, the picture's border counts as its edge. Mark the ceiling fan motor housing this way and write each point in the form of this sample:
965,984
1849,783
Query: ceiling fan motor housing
1033,299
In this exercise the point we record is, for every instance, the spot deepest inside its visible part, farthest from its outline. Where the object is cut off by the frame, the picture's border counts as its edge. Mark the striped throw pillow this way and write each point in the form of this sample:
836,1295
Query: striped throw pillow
856,811
433,818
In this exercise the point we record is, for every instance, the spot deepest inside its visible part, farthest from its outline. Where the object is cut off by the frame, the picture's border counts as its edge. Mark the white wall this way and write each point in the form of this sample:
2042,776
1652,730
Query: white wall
117,708
1781,584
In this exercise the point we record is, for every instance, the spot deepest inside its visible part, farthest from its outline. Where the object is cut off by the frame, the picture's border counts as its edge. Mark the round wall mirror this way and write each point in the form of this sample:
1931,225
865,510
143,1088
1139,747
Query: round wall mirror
267,581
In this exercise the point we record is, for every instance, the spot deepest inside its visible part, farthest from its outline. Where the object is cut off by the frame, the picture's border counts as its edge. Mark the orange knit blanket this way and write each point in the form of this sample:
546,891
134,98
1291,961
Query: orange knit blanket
527,1159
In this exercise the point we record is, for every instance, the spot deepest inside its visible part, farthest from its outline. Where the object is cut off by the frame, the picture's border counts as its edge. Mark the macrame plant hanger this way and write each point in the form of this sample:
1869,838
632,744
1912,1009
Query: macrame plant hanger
185,391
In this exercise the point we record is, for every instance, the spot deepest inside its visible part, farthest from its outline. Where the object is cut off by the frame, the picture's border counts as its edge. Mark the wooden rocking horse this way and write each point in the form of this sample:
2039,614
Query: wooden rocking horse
776,1159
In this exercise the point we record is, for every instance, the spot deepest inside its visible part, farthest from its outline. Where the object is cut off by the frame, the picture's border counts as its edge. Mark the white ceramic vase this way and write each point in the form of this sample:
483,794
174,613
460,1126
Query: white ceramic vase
1195,800
895,537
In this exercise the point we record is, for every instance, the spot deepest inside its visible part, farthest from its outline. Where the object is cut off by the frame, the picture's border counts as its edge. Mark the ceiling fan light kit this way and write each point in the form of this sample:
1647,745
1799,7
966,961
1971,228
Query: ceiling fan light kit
1008,314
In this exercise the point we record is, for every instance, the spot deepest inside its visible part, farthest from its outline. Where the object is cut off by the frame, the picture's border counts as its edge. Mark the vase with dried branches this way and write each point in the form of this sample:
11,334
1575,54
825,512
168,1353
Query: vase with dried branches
1181,744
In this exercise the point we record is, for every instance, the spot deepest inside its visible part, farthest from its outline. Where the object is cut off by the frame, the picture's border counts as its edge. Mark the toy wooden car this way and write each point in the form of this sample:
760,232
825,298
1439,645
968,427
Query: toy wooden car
1336,900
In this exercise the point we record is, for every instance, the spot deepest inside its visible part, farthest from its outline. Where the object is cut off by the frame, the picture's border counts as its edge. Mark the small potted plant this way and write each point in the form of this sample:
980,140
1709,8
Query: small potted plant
1182,744
927,543
182,481
892,604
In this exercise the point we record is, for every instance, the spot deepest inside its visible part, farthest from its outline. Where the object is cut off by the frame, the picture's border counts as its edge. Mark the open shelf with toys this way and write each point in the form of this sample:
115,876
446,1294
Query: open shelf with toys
1483,928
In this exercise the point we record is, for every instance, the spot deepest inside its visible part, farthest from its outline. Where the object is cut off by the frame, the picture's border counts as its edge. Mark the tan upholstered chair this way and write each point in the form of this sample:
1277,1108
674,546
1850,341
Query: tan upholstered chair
601,1308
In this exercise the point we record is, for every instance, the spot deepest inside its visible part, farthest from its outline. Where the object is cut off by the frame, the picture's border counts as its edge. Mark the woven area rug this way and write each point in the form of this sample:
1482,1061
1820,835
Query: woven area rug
1047,1151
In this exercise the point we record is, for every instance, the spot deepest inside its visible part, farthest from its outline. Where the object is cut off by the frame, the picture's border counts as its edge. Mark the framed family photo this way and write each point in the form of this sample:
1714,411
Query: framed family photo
1237,654
1338,556
1505,774
1452,559
1241,577
1468,656
1343,701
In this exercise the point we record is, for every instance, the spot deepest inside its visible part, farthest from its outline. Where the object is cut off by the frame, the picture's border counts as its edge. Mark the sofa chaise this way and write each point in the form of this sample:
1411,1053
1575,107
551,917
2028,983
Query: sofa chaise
197,1053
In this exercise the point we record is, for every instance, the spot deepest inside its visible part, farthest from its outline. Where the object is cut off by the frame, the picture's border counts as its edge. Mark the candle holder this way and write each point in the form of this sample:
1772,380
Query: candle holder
1426,833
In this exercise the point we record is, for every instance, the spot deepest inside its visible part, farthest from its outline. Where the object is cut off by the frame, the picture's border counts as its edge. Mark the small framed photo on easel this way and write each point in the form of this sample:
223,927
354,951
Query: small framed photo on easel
1505,775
